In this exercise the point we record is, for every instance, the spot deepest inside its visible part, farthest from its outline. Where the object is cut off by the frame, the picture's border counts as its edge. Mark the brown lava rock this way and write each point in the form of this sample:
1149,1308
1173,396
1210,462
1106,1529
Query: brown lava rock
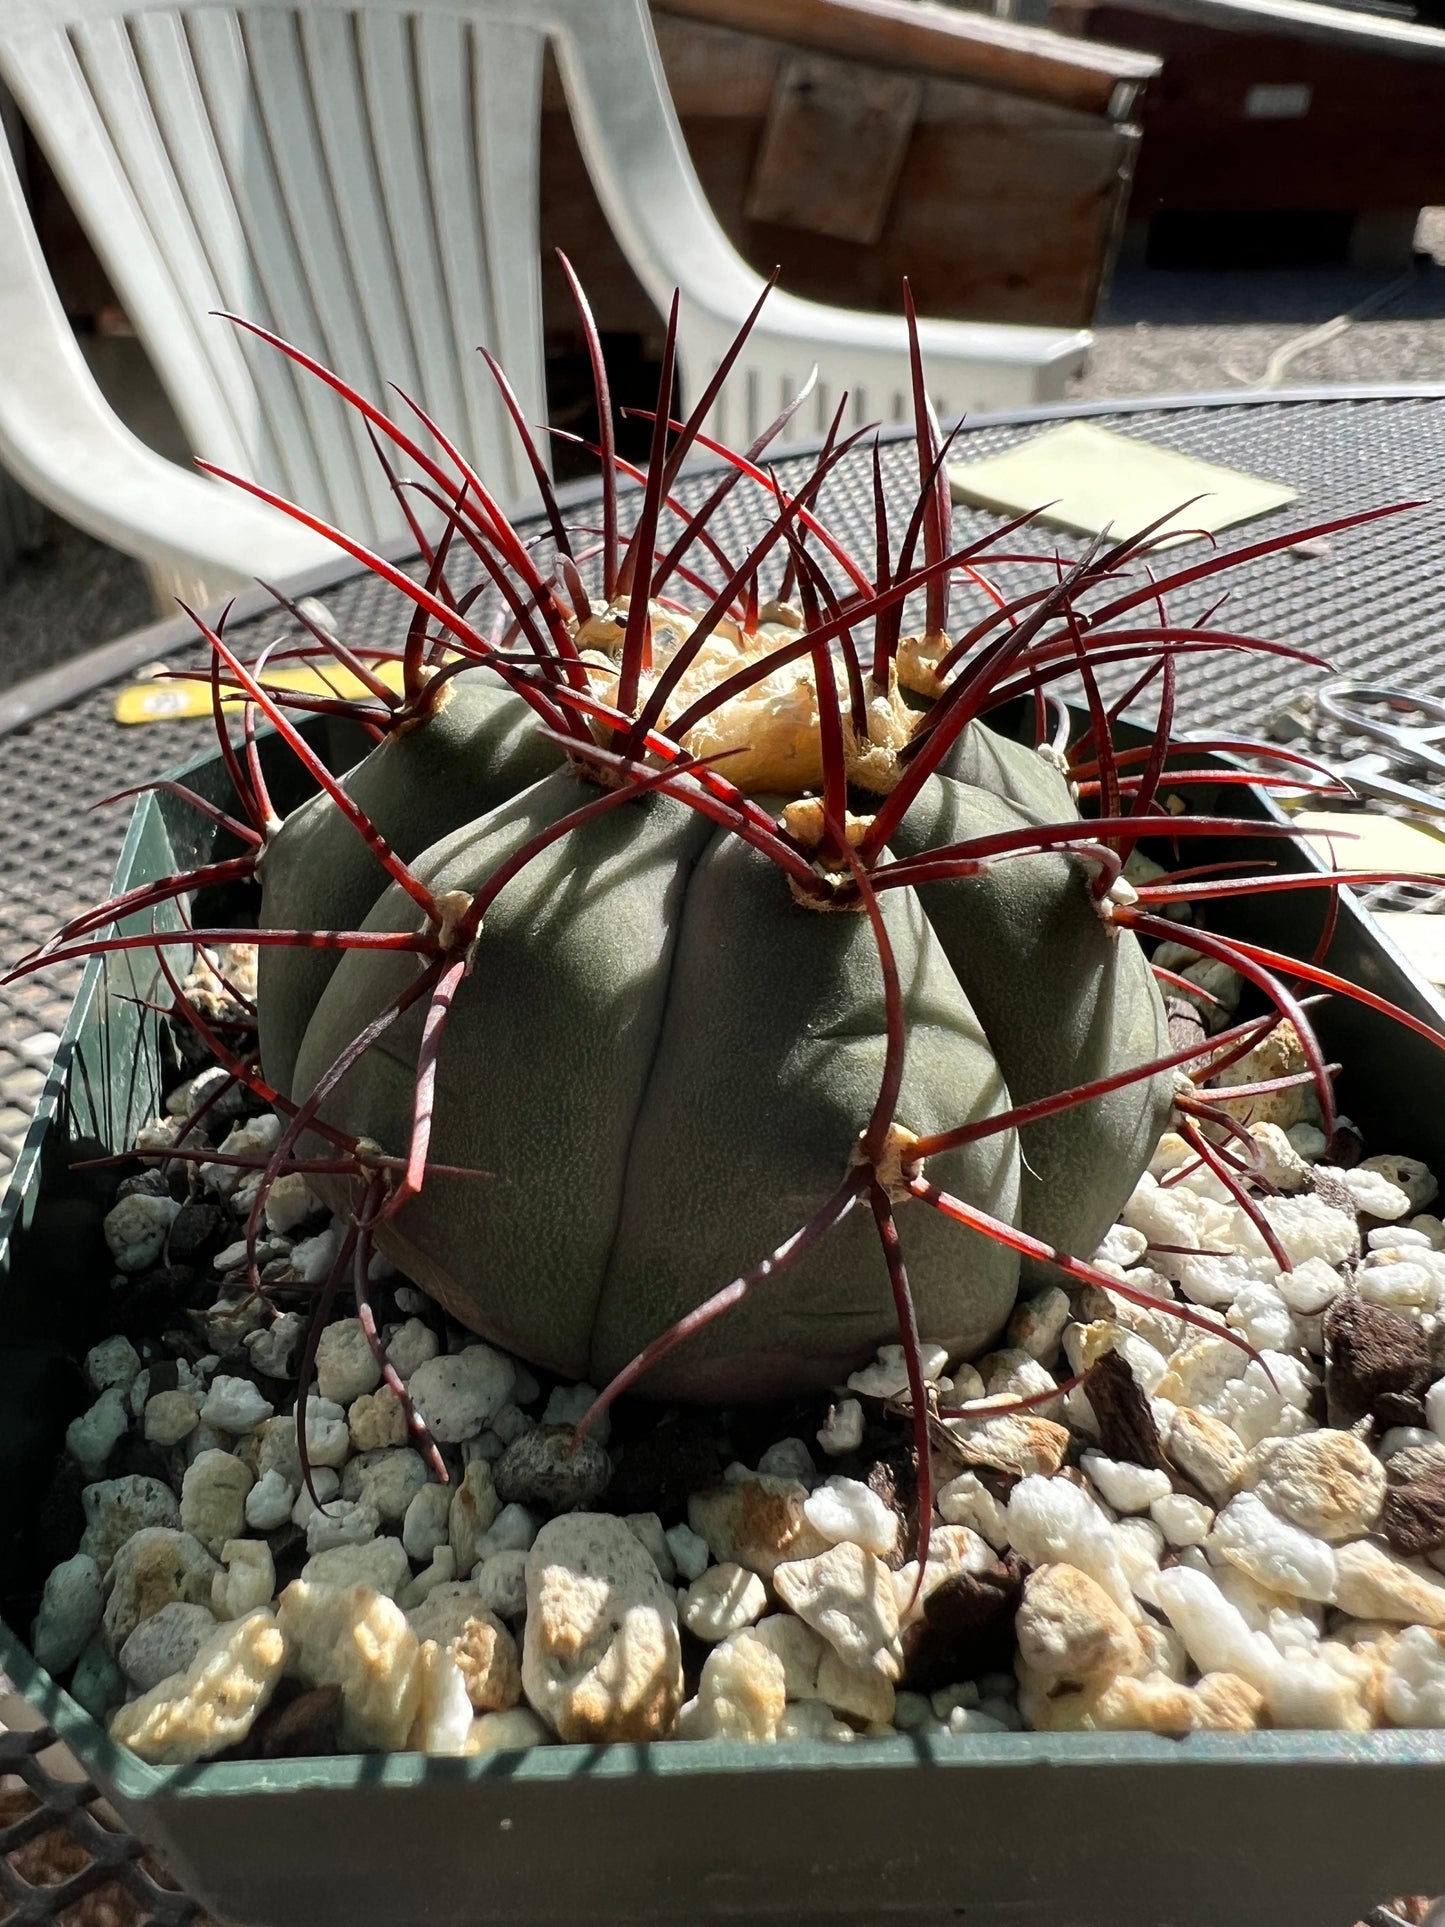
656,1473
308,1725
196,1233
1126,1424
1377,1362
1413,1518
967,1627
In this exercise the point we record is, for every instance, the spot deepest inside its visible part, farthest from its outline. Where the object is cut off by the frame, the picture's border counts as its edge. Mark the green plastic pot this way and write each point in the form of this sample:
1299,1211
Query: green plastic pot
1077,1830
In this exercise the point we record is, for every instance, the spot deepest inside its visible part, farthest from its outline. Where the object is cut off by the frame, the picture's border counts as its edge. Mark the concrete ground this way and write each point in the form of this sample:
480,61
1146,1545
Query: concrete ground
1159,332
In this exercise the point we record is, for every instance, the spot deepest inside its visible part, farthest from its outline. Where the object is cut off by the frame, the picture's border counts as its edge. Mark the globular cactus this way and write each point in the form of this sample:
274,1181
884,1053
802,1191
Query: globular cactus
691,988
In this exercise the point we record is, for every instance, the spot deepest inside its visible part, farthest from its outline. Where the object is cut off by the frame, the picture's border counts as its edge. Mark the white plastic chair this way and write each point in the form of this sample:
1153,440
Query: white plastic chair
363,179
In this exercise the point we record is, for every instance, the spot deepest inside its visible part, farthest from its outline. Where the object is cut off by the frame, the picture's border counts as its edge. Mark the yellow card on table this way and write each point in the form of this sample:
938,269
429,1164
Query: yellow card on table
165,701
1361,841
1095,479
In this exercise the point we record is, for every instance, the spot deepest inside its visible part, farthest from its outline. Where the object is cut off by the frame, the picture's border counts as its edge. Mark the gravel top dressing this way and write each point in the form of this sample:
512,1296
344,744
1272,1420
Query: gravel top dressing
1189,1538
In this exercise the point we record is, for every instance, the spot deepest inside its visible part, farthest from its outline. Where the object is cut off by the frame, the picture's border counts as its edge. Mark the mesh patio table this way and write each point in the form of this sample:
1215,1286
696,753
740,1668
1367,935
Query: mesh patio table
1372,601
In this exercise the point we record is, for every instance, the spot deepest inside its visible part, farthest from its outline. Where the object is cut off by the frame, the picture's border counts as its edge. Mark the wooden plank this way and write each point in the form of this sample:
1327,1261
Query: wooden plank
918,37
832,147
1334,26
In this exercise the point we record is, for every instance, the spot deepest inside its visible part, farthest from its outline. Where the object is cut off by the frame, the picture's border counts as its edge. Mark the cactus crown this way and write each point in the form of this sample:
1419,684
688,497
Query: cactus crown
776,695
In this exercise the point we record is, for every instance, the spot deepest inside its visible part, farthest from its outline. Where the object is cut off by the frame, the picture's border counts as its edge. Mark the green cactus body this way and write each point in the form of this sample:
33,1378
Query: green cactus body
1064,997
661,1061
478,747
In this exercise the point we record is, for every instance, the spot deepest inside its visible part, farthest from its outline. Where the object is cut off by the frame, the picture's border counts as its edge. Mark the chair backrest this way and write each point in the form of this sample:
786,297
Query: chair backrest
360,178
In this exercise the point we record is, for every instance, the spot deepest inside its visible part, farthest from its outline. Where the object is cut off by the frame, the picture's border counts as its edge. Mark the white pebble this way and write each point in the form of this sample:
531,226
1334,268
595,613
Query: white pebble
91,1438
888,1375
842,1430
70,1610
346,1366
441,1572
289,1202
1397,1237
967,1501
1123,1245
165,1643
325,1485
171,1417
512,1423
115,1361
689,1551
1038,1323
1309,1140
312,1258
1307,1227
380,1563
1182,1520
1398,1285
248,1581
1255,1409
513,1530
234,1405
273,1349
1140,1545
342,1522
1272,1551
1310,1287
1262,1315
722,1601
1414,1691
269,1502
1122,1485
136,1229
458,1394
1050,1521
411,1345
501,1584
425,1526
789,1459
254,1140
1374,1194
846,1510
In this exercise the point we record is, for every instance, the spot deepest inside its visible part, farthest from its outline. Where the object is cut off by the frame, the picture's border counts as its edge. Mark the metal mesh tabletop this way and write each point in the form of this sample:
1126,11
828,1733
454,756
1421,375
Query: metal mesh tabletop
1370,600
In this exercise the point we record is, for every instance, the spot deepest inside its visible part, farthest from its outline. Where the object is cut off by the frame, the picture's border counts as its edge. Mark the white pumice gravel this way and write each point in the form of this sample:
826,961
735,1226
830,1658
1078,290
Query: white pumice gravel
842,1430
1244,1567
843,1509
888,1375
136,1229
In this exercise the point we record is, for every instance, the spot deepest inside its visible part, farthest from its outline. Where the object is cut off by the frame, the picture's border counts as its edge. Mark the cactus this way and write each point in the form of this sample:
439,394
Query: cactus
702,979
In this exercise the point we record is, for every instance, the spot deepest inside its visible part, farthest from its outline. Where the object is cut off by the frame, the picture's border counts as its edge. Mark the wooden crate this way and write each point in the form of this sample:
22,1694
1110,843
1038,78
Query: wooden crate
852,142
1291,109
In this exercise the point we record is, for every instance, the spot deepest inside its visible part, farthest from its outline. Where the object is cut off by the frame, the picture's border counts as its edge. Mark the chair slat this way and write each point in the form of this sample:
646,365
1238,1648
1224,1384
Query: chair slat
444,55
507,114
109,59
223,68
339,288
389,83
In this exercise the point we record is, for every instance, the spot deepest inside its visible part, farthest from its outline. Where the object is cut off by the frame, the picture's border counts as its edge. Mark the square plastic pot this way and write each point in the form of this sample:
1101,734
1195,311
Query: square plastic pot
1270,1829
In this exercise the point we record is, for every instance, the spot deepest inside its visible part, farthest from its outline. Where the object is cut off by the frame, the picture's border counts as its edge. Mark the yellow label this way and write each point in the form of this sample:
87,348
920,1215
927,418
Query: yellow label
164,701
1360,840
1094,478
